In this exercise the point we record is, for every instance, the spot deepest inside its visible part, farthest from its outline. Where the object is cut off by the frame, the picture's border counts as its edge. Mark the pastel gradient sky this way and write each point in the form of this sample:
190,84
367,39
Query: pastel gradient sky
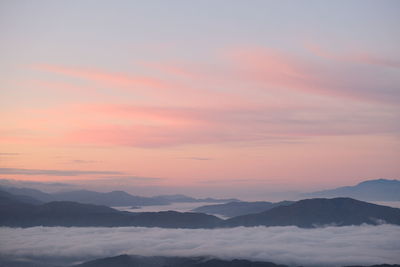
221,98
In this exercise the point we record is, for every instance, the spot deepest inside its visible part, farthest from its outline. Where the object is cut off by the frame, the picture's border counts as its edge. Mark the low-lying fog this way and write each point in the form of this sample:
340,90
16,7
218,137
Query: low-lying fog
329,246
182,207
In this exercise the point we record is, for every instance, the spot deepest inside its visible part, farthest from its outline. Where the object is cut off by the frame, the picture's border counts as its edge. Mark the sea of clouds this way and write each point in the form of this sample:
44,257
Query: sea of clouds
328,246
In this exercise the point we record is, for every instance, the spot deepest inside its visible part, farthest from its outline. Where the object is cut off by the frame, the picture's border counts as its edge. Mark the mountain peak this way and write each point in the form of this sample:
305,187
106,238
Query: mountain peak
380,181
370,190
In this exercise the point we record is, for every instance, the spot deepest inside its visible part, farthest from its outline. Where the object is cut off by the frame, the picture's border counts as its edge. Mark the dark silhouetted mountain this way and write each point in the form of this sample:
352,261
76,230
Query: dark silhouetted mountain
141,261
158,261
111,199
114,198
29,262
320,212
371,190
14,213
304,213
185,199
8,197
36,194
233,209
174,219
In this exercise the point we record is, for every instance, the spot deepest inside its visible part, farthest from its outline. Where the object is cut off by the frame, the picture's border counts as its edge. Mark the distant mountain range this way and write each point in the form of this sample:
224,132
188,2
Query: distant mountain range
111,199
15,213
7,197
309,213
238,208
159,261
371,190
130,261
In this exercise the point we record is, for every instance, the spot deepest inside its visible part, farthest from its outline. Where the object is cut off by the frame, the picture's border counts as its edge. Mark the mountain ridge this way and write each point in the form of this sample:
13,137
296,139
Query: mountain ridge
238,208
369,190
309,213
163,261
125,260
112,199
66,213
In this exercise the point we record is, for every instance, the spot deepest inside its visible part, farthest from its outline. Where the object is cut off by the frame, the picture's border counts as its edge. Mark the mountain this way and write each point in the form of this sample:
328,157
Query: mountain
371,190
114,198
7,197
159,261
233,209
145,261
310,213
307,213
28,262
111,199
15,213
34,193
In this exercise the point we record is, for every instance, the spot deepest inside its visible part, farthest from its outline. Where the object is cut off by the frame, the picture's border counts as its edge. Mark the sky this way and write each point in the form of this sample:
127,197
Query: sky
211,98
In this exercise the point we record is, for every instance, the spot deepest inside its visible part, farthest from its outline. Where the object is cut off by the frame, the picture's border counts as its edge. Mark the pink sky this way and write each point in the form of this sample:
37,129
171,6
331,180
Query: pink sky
227,115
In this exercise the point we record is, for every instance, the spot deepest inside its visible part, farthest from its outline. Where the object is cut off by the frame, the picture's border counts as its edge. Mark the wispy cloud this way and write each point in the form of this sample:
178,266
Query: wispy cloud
197,158
13,182
353,56
80,161
16,171
254,94
127,179
274,69
154,127
247,181
103,77
43,186
160,127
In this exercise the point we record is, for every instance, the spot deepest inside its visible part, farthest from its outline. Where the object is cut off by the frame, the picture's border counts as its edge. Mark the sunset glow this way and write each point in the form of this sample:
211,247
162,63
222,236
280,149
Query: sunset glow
157,100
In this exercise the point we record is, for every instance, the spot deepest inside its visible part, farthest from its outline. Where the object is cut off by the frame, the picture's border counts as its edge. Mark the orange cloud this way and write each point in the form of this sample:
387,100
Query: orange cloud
274,69
211,108
141,126
155,126
192,90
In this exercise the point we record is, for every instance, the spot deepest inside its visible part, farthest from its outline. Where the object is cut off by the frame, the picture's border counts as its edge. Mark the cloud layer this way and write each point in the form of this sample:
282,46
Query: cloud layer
330,246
